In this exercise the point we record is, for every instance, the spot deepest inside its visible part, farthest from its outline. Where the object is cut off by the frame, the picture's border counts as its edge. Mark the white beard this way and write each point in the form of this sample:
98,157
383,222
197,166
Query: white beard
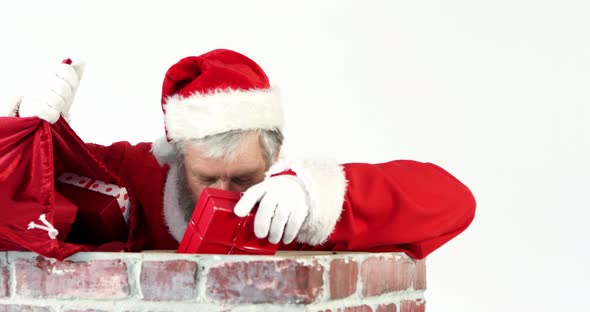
178,202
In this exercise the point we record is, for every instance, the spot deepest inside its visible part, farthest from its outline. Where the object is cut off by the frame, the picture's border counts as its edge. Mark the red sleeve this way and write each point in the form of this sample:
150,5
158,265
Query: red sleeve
407,205
400,205
112,156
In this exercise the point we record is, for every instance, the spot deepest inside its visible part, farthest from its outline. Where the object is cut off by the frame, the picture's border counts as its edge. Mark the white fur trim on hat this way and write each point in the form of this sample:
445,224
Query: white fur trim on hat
164,151
201,115
173,216
325,182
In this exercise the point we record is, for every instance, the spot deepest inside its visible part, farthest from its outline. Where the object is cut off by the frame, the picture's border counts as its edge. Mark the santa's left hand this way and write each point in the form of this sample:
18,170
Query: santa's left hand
54,95
284,205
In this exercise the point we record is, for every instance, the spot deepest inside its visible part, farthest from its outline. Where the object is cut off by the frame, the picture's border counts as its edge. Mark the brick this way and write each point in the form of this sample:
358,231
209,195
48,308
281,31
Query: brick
381,275
22,308
169,280
413,306
363,308
420,274
4,287
92,279
140,309
387,308
284,281
343,278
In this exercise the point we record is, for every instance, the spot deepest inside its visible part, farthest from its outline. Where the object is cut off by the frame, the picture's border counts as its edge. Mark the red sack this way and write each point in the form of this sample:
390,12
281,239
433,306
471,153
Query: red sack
100,206
65,215
33,154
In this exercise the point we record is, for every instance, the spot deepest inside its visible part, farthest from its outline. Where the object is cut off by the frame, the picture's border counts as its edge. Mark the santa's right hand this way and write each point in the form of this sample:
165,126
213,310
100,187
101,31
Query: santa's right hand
54,95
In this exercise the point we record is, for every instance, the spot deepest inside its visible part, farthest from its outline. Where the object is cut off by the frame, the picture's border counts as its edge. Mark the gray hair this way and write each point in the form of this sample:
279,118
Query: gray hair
225,145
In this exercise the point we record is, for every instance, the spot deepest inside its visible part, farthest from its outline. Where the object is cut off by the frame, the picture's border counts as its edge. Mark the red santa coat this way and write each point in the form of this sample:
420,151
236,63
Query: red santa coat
400,205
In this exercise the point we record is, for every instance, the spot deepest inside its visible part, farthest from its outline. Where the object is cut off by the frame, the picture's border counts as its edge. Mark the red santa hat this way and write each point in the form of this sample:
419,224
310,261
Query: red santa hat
216,92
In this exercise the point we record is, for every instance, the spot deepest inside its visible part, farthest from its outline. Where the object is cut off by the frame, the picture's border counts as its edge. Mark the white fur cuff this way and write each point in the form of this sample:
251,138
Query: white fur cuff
325,183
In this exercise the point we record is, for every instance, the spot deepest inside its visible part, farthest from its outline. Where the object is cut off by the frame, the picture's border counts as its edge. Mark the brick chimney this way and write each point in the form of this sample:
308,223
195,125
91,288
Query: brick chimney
166,281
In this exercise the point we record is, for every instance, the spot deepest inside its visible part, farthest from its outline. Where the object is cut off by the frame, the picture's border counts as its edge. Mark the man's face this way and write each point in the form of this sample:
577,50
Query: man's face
246,168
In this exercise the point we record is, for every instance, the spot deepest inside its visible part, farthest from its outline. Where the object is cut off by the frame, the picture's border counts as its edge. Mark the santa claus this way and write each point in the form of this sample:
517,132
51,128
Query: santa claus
223,129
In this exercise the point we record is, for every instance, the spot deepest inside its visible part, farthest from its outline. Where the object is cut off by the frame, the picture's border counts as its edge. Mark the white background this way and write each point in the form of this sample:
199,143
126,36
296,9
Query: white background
497,92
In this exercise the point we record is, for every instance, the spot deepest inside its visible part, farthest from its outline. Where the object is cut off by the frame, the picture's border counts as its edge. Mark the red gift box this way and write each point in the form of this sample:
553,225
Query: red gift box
64,216
101,209
215,229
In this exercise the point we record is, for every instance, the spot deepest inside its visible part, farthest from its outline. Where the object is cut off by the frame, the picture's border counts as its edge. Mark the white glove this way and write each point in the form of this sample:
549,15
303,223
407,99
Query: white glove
284,205
55,95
